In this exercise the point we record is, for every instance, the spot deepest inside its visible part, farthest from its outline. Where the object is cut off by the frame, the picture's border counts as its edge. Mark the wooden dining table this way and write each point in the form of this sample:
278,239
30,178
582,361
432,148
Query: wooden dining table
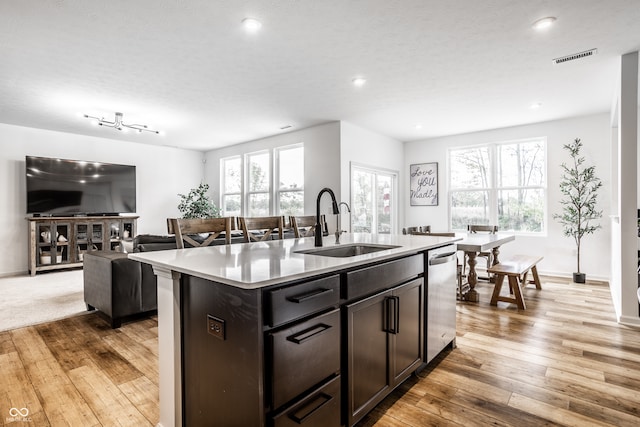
472,245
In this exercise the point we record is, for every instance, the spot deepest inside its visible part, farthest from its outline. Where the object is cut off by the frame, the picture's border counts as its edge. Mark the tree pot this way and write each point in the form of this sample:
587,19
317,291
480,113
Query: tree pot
579,277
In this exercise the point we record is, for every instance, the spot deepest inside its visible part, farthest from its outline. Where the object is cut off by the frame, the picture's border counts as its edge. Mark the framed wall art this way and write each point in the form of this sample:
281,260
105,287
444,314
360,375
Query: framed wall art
423,184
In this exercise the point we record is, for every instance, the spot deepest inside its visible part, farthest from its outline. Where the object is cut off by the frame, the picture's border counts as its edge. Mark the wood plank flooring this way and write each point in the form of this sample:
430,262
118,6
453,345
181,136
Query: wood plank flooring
563,361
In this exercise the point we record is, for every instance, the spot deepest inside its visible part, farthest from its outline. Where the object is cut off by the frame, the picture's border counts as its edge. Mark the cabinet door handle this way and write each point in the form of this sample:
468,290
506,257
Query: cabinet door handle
303,414
393,314
309,295
397,323
309,333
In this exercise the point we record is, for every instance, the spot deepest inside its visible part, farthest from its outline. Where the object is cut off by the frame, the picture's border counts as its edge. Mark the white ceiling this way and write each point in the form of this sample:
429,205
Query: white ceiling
187,67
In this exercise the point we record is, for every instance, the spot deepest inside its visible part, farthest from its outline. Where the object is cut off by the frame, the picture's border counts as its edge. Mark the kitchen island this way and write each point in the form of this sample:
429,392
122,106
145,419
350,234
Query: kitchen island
271,333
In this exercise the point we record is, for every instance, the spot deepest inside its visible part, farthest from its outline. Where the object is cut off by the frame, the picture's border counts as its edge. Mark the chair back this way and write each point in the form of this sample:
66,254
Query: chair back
474,228
305,226
264,224
421,229
445,234
184,229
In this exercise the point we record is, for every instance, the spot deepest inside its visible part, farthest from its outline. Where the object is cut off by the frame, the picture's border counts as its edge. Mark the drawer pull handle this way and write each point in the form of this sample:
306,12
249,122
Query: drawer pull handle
307,334
310,408
309,295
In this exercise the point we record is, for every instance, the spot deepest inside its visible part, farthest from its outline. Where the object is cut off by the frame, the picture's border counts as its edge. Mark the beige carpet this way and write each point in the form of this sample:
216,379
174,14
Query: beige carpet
50,296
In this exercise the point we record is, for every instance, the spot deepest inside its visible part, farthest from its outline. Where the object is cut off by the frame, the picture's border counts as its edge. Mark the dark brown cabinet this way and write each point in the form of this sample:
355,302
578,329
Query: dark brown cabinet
303,356
384,335
320,351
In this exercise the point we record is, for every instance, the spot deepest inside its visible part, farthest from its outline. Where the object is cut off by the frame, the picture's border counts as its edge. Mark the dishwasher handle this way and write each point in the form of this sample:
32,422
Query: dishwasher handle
443,258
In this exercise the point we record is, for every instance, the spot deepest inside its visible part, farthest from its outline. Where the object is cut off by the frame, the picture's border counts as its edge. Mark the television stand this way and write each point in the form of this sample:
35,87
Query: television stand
60,242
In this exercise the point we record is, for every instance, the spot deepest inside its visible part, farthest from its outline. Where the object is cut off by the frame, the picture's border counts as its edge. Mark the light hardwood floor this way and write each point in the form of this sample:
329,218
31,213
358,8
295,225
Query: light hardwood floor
563,361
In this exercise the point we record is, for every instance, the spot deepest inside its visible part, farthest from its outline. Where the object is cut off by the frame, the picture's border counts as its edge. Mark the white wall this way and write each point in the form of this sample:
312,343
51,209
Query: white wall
321,161
367,148
161,173
624,287
558,251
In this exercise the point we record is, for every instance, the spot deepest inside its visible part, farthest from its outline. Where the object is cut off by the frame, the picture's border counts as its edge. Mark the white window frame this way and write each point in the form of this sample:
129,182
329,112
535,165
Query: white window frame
223,193
247,171
493,190
394,200
274,190
277,190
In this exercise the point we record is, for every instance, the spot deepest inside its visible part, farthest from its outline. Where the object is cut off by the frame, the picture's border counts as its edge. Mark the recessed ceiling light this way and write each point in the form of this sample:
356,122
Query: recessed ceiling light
359,81
251,24
544,23
536,105
418,126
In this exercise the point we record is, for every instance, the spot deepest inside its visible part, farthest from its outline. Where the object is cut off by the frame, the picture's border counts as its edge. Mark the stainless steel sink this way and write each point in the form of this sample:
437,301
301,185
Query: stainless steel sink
345,251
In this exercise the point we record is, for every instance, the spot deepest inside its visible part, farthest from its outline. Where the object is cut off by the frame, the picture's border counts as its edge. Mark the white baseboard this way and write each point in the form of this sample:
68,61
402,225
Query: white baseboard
562,275
629,321
14,274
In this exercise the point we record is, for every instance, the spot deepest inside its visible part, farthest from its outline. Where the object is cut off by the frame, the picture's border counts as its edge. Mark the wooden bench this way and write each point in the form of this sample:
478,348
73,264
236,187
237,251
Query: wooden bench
514,268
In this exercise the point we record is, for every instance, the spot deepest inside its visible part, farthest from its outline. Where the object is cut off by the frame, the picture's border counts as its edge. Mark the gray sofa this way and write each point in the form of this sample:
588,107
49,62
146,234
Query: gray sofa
122,288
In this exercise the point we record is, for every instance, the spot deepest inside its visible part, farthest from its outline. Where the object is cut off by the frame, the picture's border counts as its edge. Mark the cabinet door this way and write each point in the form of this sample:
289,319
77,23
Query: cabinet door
406,331
53,246
97,237
367,353
60,235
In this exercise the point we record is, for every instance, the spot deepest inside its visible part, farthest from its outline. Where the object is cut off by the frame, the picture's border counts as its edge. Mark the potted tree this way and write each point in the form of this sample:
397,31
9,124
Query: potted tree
197,204
579,186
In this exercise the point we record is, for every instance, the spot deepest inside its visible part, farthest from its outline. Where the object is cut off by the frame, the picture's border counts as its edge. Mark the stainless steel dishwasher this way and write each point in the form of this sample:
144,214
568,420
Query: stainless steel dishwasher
441,300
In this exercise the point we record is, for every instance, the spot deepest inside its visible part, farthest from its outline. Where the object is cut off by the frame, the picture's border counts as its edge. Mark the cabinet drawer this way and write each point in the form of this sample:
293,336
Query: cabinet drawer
368,280
320,409
304,355
294,302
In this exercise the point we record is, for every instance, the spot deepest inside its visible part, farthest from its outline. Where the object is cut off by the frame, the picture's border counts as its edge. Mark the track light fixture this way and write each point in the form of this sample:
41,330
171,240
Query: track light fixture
118,124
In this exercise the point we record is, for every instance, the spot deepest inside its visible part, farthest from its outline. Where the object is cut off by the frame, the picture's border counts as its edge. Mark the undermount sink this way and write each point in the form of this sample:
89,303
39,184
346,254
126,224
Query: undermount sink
345,251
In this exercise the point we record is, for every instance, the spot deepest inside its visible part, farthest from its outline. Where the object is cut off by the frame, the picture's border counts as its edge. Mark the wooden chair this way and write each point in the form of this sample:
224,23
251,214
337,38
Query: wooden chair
304,226
421,229
264,224
184,229
481,228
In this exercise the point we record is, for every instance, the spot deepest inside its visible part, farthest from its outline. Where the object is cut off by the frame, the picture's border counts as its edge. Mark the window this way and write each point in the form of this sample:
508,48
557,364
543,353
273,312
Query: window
503,184
258,195
231,184
373,201
290,191
247,182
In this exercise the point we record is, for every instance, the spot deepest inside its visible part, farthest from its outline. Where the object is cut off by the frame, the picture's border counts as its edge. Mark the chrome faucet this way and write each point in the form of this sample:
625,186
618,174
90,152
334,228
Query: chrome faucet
336,211
339,229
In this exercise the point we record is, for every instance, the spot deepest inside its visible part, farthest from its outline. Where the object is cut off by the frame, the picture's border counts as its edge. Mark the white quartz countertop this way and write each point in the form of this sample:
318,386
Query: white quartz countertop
259,264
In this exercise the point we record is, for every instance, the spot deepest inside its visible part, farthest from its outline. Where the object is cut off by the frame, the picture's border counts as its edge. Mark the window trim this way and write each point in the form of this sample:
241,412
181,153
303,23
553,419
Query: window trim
223,193
493,189
274,190
395,202
247,192
277,191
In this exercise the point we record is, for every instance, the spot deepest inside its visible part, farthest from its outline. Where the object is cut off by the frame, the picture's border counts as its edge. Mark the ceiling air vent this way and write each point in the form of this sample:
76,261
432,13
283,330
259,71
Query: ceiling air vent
575,56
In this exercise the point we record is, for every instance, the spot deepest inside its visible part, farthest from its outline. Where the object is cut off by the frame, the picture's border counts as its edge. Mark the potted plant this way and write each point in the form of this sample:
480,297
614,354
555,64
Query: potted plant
579,186
197,204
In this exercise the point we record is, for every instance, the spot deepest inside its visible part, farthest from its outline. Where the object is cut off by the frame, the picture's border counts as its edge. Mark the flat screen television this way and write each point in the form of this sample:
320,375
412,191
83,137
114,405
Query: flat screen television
60,187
